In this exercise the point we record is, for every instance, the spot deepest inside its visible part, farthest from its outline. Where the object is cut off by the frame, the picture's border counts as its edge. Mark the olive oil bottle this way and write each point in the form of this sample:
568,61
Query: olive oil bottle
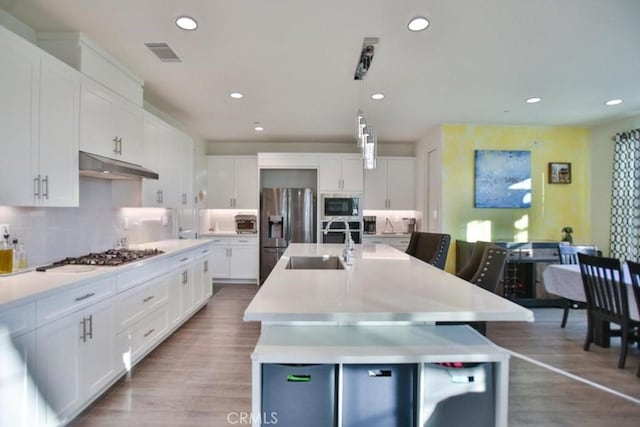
6,255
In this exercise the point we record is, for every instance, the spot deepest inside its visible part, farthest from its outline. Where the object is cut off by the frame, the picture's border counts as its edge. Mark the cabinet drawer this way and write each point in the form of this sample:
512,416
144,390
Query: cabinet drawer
181,260
66,302
219,241
135,303
134,342
20,319
243,241
141,273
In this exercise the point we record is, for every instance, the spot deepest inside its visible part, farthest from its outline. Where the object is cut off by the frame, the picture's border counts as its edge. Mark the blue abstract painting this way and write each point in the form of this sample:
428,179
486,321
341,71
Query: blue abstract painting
502,179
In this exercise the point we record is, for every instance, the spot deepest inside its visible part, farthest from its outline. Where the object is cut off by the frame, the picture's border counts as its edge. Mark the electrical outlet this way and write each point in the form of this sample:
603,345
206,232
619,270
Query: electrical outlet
4,227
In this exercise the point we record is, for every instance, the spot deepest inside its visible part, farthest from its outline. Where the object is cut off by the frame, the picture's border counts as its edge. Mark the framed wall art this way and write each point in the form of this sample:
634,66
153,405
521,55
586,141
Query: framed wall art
559,173
502,179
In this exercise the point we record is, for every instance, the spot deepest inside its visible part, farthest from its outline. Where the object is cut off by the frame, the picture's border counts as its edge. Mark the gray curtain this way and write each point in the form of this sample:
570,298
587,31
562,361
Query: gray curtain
625,197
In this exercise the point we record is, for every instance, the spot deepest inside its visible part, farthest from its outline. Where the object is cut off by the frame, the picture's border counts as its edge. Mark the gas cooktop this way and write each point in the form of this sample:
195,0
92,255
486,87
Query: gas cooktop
111,257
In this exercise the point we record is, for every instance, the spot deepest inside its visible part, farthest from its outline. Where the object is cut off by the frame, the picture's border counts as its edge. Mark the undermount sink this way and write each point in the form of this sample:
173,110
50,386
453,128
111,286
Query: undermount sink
315,263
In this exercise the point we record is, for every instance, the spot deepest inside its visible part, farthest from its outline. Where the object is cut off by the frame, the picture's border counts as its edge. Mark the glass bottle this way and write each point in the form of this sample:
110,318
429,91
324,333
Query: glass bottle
6,255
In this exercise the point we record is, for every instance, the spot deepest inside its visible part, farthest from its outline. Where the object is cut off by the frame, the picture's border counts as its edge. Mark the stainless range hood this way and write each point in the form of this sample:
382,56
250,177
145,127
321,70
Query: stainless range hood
103,167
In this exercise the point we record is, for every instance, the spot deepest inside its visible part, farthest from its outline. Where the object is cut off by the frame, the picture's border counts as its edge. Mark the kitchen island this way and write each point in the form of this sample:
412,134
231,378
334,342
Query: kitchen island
379,313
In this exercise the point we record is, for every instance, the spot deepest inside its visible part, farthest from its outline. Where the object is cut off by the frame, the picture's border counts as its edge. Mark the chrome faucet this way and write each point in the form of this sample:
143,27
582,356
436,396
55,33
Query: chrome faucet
348,241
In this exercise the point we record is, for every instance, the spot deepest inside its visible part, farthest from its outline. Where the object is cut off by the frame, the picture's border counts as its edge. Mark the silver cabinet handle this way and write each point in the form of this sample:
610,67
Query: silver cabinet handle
89,295
90,326
204,251
206,266
147,299
184,259
184,198
115,145
84,330
120,145
36,186
149,332
159,196
45,181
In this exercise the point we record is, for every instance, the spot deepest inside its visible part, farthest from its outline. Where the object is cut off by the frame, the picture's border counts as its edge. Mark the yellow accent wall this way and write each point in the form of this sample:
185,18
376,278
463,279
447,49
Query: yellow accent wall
553,206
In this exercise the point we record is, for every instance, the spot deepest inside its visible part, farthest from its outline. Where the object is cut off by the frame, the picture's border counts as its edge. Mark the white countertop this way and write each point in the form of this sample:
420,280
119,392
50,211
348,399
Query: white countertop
226,234
383,284
22,287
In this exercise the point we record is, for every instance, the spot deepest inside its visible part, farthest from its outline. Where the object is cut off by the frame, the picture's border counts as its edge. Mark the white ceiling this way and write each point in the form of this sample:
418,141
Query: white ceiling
294,60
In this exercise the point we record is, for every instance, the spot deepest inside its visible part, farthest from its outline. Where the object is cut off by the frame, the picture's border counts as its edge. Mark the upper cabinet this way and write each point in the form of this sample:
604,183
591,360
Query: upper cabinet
39,111
341,172
233,182
391,185
169,152
110,125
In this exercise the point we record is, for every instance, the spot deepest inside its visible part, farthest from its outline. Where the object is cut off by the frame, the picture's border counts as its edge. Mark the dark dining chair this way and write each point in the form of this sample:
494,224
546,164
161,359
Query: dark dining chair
490,268
568,254
413,243
607,299
634,271
471,266
432,248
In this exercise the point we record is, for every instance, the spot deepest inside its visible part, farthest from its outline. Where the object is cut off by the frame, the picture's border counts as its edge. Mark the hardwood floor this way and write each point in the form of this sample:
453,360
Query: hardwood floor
201,375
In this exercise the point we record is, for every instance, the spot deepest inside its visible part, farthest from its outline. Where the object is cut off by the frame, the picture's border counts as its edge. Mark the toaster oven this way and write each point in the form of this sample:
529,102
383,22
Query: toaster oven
246,224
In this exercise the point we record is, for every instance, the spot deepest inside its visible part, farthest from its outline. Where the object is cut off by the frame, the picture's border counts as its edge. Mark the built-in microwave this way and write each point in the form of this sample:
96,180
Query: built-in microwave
348,206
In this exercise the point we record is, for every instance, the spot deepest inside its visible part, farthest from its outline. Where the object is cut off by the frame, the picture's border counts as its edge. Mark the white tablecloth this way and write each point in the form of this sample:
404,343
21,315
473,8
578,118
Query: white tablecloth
566,281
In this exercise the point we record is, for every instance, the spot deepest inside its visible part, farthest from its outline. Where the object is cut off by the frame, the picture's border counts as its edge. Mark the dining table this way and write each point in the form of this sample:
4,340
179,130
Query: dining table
565,280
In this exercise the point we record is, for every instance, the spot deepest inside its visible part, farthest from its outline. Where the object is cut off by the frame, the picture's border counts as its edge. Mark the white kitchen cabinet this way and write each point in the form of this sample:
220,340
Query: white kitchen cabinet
110,125
39,113
391,185
341,173
232,182
399,242
169,152
202,286
21,368
76,358
235,258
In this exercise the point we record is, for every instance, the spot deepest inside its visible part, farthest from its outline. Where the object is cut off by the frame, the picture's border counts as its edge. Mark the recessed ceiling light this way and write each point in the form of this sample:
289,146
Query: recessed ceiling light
418,23
236,95
257,127
377,96
533,100
613,102
186,23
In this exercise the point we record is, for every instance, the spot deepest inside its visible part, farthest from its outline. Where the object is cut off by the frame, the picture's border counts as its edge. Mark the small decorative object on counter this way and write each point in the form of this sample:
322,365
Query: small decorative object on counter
6,254
388,227
566,236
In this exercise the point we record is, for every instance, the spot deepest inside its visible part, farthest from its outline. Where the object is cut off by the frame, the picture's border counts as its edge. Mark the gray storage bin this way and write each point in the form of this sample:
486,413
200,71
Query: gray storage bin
379,395
459,396
299,395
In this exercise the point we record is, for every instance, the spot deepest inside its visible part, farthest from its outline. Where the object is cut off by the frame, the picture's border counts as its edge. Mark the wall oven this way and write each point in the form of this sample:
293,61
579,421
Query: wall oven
336,232
348,206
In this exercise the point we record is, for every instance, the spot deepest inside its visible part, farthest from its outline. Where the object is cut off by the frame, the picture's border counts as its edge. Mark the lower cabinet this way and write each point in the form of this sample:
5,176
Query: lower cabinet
75,359
235,258
398,376
399,242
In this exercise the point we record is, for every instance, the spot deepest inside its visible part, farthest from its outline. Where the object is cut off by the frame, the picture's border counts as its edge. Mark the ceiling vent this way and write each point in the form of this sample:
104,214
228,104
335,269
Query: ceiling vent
163,52
366,57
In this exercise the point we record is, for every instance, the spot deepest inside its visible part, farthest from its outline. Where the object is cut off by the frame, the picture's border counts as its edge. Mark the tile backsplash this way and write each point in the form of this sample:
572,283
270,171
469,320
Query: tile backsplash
50,234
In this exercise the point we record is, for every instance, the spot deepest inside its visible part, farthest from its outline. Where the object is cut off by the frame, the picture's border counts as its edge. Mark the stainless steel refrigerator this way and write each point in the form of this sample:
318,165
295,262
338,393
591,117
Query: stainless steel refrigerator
287,215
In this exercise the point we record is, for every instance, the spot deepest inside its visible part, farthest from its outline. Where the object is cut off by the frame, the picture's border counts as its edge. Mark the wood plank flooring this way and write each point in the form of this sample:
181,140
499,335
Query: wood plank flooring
201,376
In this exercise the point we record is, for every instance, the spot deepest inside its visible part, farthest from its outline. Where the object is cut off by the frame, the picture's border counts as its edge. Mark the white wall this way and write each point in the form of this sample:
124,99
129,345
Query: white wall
51,234
601,173
431,141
